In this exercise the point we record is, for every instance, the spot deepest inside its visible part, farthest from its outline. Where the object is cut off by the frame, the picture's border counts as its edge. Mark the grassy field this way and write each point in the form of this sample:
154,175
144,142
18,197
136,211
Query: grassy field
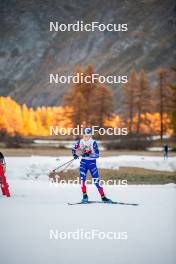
124,175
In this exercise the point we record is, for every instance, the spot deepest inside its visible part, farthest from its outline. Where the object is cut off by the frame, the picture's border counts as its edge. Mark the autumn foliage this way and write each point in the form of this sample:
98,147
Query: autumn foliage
146,110
15,118
92,103
26,121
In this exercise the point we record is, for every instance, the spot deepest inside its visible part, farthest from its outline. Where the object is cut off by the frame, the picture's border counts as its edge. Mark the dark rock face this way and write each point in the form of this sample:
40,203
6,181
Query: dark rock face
29,51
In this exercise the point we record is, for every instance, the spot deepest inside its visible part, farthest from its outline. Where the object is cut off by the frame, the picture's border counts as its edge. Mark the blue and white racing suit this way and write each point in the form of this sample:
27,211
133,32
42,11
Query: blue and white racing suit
89,152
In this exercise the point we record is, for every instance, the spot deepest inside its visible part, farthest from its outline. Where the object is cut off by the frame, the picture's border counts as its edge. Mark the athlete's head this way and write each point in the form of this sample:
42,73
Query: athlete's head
87,133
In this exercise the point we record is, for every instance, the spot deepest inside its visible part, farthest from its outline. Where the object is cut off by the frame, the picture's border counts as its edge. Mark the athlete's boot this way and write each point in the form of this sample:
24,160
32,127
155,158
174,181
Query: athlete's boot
85,198
105,199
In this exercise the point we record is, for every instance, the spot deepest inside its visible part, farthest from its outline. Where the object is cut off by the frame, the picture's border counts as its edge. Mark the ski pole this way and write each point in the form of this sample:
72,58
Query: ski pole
70,161
67,165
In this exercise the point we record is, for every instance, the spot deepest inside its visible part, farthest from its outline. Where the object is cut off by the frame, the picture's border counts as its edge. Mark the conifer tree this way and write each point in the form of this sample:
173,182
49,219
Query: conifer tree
173,112
91,102
142,98
163,97
129,90
101,105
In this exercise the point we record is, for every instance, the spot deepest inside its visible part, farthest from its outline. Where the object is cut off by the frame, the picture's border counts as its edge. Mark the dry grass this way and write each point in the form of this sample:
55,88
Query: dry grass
67,152
131,175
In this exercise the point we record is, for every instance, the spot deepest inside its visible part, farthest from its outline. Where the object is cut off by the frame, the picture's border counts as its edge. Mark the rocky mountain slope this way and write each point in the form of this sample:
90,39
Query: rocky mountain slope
29,52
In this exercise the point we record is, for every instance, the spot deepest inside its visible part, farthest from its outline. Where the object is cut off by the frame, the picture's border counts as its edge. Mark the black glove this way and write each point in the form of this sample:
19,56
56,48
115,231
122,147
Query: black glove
75,156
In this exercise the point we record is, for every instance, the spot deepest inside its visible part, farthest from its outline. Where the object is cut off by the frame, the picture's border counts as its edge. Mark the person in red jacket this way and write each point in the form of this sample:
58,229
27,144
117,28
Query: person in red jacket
3,183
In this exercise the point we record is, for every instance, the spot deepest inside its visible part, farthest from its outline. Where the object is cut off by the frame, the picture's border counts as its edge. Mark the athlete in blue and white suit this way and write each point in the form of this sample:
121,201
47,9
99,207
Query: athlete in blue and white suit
87,147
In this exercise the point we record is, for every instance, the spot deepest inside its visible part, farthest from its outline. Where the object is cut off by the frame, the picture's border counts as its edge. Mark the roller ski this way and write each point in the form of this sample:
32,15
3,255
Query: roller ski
101,202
